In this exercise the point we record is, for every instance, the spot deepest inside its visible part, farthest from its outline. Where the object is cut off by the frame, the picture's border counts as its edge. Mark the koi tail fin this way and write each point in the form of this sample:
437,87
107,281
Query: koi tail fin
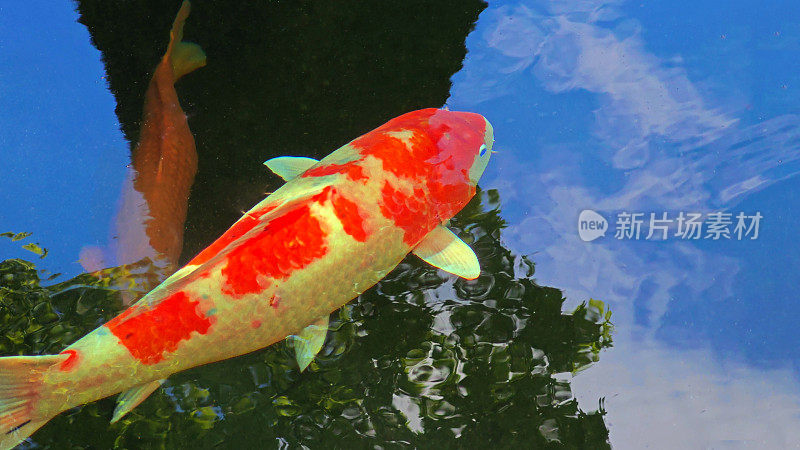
23,408
184,56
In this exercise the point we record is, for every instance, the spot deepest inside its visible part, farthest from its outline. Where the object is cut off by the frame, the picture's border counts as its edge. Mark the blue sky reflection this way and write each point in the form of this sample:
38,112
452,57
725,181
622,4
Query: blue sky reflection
63,154
594,110
607,105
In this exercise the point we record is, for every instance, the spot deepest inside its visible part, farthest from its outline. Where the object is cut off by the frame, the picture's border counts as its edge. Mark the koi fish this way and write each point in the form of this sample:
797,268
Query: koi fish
334,229
163,166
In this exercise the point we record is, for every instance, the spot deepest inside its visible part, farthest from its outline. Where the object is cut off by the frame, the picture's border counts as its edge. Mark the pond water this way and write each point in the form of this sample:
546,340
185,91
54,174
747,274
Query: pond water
642,113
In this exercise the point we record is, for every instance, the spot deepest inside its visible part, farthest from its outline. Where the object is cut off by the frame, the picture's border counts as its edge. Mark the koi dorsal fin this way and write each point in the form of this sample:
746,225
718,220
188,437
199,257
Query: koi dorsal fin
309,342
133,397
443,249
158,291
288,167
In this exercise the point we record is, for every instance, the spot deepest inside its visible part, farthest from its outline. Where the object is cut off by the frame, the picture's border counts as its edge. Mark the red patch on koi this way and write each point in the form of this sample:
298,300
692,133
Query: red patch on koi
449,198
410,212
239,229
433,156
288,242
70,362
349,214
351,169
323,195
435,149
152,332
346,211
414,119
396,157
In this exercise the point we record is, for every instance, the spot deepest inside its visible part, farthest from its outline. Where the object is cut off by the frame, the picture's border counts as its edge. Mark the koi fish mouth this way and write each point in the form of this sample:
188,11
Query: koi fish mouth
488,134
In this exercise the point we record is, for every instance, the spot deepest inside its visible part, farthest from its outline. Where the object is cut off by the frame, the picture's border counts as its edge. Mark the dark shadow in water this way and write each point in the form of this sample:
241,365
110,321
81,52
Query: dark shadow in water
419,359
282,78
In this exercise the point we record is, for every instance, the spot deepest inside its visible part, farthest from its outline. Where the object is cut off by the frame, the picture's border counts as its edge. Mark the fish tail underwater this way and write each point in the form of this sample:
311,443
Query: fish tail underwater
25,401
185,57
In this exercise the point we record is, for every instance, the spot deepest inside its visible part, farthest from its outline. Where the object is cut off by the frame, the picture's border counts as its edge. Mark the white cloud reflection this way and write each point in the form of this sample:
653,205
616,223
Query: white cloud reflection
672,150
658,397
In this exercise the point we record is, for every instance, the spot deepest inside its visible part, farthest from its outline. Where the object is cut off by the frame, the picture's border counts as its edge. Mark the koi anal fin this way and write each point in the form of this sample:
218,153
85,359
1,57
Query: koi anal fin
288,167
443,249
309,342
133,397
184,56
21,392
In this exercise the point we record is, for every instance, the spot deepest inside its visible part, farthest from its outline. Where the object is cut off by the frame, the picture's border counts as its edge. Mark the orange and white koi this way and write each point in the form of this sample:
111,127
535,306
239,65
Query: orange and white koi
163,166
334,229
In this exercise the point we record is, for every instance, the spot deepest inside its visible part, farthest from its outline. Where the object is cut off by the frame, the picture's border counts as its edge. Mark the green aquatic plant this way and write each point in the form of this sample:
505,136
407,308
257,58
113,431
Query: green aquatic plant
421,359
30,246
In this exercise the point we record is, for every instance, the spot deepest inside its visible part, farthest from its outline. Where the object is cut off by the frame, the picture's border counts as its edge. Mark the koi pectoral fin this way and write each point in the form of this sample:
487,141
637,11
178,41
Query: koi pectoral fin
443,249
133,397
309,342
288,167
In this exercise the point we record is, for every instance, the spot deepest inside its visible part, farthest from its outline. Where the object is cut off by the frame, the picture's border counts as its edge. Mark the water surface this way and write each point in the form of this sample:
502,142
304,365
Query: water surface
605,105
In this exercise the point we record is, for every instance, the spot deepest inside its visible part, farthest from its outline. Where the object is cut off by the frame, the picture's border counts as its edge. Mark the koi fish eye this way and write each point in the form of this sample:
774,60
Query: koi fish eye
484,153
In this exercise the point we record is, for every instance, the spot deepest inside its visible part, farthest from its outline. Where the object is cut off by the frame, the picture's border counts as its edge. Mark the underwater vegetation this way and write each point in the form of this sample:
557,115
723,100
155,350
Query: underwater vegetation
422,358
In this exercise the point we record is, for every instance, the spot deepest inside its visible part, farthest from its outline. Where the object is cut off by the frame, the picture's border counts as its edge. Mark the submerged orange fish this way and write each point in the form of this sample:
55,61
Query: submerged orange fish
333,230
164,163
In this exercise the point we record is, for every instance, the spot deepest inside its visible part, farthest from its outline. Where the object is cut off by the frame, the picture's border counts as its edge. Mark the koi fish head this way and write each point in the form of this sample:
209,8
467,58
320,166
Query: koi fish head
484,151
463,145
434,157
456,145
